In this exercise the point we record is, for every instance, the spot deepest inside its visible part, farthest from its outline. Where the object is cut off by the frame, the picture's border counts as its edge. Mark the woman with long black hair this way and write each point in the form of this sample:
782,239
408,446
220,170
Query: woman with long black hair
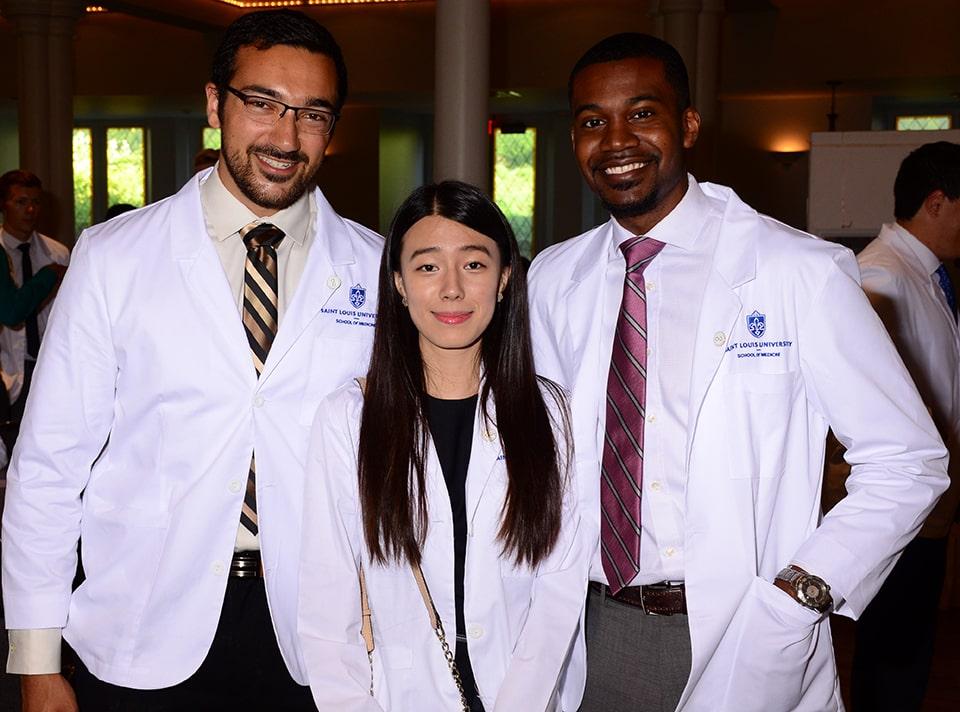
443,483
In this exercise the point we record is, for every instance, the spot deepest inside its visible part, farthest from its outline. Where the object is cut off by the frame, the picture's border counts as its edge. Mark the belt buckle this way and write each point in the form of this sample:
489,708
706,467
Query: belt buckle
643,603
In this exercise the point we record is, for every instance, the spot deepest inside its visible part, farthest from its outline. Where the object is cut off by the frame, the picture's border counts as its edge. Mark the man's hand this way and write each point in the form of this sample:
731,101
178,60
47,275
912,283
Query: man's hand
47,693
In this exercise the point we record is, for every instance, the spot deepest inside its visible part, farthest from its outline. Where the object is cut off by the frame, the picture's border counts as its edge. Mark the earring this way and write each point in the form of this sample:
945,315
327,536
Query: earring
403,300
499,297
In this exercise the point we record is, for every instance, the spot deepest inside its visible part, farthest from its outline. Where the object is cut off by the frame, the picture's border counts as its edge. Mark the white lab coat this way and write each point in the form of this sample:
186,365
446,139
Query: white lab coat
911,304
146,346
755,452
519,622
13,341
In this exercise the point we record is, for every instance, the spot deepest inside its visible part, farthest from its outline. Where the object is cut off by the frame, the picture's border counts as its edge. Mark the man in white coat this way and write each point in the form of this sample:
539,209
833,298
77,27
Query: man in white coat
707,349
905,278
27,251
168,424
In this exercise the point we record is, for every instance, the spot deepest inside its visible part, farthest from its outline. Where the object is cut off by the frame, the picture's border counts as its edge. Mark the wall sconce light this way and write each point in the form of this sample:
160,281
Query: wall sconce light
787,158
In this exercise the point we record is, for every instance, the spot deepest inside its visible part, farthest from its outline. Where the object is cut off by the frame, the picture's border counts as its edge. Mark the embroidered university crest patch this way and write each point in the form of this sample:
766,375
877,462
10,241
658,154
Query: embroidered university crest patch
358,296
757,324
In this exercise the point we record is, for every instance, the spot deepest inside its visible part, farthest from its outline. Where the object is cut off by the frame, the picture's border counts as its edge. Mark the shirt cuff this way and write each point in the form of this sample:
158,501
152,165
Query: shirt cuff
34,652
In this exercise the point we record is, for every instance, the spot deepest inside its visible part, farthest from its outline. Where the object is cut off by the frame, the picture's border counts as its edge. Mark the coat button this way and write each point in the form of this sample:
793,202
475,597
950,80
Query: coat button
333,281
475,631
719,339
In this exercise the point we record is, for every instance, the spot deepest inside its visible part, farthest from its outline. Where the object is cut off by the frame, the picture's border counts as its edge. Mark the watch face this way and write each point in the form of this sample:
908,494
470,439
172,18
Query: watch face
811,590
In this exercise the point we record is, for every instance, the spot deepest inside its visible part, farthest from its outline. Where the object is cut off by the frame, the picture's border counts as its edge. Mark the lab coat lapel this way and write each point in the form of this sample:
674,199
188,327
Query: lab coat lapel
734,263
485,451
193,251
325,273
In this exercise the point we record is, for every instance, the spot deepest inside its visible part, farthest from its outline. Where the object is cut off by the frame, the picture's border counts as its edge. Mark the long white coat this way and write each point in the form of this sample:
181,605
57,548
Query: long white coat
146,347
519,622
755,452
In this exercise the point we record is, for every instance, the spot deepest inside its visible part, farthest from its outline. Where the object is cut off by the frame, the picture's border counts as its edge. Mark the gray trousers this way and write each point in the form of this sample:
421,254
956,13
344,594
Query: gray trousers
635,662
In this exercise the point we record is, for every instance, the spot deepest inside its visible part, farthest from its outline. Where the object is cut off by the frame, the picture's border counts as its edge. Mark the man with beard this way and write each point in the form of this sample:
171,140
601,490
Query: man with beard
170,412
724,345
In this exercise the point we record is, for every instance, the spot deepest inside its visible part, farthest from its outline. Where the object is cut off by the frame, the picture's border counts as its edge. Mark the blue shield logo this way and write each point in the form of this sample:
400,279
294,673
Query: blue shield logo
757,324
358,296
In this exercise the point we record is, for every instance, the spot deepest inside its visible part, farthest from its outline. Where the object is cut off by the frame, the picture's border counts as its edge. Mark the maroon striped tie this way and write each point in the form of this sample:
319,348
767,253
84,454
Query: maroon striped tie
622,464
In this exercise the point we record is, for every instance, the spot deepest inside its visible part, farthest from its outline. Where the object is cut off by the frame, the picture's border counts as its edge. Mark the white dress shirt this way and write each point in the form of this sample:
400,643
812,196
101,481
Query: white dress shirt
13,341
673,290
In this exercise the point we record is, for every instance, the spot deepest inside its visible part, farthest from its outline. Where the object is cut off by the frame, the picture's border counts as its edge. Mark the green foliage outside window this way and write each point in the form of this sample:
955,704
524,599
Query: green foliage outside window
82,179
211,138
126,166
514,182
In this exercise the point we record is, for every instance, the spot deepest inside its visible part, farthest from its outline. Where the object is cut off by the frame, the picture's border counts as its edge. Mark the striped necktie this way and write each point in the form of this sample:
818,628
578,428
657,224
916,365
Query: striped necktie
260,320
622,463
946,284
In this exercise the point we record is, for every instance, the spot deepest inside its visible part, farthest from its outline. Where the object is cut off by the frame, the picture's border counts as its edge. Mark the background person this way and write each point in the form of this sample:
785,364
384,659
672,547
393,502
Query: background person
905,278
27,251
707,350
457,460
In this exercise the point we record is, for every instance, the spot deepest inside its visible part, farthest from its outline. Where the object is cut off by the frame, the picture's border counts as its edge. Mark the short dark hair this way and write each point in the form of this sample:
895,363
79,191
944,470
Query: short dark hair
933,166
24,179
269,28
633,45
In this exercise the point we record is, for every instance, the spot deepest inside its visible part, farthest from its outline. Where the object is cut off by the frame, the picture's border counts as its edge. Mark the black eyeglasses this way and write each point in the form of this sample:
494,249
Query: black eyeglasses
309,119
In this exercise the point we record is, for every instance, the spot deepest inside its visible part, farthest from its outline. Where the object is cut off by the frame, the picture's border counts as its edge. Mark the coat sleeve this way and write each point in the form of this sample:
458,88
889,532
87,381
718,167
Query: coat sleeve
553,620
66,423
329,613
856,379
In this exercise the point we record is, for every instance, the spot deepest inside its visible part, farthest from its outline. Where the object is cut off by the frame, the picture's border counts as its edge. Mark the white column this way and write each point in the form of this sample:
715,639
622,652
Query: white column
680,25
461,92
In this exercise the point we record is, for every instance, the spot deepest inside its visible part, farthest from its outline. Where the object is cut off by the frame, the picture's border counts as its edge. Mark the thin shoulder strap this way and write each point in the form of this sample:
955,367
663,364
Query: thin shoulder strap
366,621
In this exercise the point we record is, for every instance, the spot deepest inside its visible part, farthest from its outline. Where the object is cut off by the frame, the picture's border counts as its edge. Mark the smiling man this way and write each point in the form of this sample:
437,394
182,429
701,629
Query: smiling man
707,350
170,412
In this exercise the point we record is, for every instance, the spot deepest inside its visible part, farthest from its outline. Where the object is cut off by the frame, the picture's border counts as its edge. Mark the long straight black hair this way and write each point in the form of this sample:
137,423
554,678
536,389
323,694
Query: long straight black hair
393,429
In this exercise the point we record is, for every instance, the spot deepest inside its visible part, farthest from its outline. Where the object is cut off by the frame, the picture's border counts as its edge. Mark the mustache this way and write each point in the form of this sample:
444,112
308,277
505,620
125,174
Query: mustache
272,152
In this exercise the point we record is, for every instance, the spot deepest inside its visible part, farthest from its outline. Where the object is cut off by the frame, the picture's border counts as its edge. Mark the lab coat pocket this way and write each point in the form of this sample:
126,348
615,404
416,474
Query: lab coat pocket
774,641
758,410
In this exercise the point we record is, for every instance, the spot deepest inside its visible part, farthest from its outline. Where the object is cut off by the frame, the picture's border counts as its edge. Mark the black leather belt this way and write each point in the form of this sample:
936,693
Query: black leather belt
246,564
655,599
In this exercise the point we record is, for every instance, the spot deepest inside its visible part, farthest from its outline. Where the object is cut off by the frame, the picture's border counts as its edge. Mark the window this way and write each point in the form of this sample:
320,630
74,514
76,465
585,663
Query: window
82,179
514,180
126,167
211,138
109,167
933,122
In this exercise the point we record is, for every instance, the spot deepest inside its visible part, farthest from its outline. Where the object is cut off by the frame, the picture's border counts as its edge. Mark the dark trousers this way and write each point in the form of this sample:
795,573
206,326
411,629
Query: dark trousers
635,662
895,634
242,671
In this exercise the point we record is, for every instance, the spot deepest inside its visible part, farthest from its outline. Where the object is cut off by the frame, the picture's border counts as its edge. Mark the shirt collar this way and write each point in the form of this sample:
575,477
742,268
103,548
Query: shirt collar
12,243
226,215
680,228
931,263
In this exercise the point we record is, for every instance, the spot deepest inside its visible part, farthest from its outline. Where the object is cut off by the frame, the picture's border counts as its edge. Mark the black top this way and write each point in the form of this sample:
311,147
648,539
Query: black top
451,427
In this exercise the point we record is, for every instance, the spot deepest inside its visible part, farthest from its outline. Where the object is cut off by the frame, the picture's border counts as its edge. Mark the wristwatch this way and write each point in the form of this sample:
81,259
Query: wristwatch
808,590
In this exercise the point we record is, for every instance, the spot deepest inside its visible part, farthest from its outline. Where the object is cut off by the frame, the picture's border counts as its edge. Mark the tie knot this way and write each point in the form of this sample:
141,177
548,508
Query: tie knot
24,247
639,250
262,235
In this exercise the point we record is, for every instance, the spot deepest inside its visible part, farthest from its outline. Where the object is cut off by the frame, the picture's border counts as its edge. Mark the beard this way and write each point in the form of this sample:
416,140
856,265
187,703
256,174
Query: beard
240,166
635,208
